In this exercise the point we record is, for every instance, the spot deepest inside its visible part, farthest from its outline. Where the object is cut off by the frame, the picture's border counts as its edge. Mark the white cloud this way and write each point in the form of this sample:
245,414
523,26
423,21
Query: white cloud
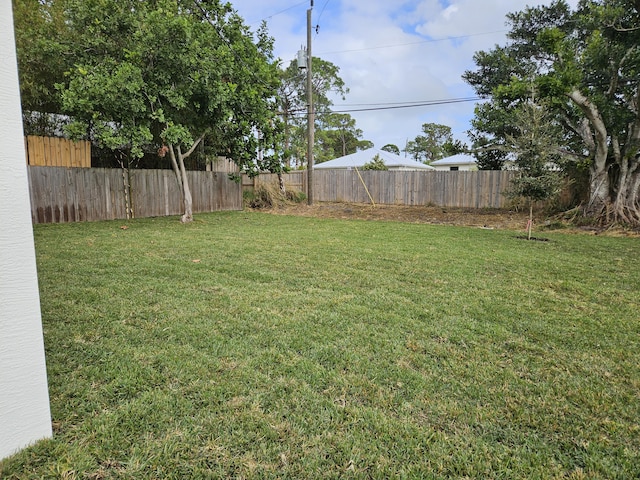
449,12
393,51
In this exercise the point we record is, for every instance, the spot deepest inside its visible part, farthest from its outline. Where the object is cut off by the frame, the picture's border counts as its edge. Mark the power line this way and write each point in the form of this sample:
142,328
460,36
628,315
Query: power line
280,12
433,40
409,105
388,106
321,12
414,102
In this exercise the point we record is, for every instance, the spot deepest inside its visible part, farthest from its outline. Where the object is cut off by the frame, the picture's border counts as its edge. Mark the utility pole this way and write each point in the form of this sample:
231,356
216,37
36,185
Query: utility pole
310,113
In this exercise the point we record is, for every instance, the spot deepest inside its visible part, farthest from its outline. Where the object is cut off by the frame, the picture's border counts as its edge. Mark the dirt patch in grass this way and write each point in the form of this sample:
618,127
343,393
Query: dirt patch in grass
483,218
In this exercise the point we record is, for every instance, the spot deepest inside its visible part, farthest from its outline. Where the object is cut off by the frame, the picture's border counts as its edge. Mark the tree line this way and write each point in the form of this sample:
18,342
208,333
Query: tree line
177,79
170,81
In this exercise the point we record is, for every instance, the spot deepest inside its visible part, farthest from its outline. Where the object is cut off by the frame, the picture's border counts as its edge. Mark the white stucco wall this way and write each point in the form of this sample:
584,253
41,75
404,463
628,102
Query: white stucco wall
24,398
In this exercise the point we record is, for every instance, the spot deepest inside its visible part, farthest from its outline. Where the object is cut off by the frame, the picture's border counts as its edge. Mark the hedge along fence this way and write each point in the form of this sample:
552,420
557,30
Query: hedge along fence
88,194
480,189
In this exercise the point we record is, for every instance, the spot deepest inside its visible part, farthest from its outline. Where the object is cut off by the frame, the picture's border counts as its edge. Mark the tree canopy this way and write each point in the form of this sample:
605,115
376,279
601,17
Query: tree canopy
585,65
436,142
390,147
41,39
161,75
337,136
376,163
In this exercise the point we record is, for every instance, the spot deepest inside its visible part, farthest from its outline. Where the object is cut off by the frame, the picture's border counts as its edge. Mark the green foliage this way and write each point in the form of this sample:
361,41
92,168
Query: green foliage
347,350
338,136
433,145
142,74
535,187
41,36
492,123
94,99
377,163
453,147
296,197
259,197
391,148
536,154
585,65
326,81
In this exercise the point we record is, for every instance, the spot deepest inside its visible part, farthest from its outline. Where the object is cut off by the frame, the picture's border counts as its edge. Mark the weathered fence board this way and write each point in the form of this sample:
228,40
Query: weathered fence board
60,194
57,152
296,180
481,189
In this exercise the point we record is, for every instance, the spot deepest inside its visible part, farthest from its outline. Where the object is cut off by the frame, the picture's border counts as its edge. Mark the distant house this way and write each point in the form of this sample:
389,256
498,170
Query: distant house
456,163
358,159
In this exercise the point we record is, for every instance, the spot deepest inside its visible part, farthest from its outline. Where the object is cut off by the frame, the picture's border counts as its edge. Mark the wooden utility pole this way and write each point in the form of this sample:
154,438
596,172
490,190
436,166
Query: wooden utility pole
310,113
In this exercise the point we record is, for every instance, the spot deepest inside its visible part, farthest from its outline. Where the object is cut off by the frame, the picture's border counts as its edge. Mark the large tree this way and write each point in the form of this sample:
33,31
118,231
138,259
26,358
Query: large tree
338,136
586,65
168,74
41,36
433,144
292,100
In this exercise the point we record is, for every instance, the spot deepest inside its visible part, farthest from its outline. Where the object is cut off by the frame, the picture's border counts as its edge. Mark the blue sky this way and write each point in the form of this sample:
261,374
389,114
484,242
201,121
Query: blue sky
393,51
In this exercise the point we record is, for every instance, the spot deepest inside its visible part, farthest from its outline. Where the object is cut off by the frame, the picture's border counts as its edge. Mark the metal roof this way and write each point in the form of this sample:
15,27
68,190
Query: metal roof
358,159
460,159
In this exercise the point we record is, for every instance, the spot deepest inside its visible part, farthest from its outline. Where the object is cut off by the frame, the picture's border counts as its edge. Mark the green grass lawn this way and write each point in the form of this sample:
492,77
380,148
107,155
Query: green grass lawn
249,345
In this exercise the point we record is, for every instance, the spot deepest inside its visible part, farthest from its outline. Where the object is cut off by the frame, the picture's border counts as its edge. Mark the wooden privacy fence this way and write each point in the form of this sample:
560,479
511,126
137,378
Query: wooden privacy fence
89,194
481,189
57,152
296,180
61,194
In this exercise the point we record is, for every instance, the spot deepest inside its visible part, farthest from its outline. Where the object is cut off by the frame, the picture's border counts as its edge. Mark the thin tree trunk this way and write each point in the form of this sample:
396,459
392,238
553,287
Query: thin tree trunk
287,144
176,169
281,183
177,162
188,200
634,194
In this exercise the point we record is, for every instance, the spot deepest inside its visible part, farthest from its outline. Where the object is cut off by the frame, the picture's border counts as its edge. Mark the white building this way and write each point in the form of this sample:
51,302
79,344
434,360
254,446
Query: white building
25,416
358,160
455,163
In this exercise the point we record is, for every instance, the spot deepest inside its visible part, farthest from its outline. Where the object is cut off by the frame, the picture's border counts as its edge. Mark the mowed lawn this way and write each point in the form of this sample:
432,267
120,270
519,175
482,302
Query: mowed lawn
249,345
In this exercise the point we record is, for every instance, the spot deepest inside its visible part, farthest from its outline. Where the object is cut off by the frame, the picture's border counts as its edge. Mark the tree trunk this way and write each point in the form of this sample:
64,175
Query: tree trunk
287,143
188,200
281,183
177,162
176,169
599,187
599,201
626,207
